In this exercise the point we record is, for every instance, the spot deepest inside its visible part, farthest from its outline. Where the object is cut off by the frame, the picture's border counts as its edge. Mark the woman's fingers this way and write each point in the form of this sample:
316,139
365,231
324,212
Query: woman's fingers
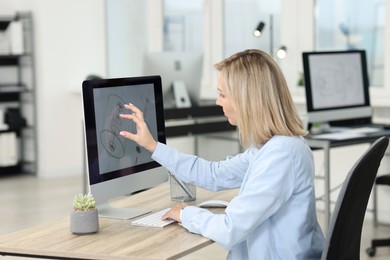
142,136
137,116
128,135
136,119
138,113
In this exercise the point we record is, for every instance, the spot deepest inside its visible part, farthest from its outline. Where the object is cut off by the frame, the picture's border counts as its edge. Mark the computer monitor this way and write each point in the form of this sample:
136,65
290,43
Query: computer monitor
336,84
118,166
185,67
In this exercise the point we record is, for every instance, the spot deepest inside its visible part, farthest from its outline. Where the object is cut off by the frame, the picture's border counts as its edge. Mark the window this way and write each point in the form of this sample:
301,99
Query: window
353,24
183,29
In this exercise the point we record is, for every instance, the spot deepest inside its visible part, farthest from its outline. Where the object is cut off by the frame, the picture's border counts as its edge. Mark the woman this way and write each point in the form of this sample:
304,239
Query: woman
274,215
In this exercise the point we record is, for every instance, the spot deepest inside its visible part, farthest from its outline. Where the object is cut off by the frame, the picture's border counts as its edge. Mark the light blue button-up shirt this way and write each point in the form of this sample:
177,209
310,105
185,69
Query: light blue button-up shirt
274,215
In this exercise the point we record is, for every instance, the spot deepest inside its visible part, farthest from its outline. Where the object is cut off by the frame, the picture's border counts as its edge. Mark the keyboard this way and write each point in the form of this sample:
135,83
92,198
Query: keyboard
349,133
153,220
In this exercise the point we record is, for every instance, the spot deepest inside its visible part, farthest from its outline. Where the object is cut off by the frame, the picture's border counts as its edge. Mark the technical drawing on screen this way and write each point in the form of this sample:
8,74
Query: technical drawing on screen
116,152
336,83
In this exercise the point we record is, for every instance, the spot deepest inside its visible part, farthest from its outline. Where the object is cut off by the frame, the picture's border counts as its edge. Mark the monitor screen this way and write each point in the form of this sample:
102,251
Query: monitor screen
116,165
336,84
176,66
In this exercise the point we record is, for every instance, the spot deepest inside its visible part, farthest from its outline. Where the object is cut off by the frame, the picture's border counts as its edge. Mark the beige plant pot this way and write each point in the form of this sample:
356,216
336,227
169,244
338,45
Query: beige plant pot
84,222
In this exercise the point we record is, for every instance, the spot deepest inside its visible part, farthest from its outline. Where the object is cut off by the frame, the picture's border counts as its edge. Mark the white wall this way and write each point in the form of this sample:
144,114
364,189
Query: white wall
69,44
297,33
125,48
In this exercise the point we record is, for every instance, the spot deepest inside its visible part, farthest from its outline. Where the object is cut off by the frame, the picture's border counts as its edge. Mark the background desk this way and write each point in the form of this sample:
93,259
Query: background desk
116,239
195,121
204,119
326,145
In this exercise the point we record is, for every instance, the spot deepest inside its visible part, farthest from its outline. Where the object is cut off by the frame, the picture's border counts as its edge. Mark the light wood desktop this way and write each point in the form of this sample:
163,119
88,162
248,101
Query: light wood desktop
116,239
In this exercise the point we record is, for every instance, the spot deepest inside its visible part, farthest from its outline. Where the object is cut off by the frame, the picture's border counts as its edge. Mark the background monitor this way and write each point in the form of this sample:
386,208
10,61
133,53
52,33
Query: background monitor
118,166
185,67
337,85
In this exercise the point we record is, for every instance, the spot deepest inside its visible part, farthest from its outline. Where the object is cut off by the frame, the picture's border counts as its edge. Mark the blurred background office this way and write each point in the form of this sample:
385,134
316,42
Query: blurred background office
110,38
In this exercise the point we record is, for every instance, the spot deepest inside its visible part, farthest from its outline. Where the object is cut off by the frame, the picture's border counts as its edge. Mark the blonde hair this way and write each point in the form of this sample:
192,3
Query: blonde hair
260,97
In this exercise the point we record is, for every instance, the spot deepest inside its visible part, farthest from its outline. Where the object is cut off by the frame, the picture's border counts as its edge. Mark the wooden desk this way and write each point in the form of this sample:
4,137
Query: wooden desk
116,239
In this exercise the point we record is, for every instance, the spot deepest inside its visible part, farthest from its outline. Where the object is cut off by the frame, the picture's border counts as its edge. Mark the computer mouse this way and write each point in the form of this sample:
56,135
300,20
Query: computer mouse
386,127
214,204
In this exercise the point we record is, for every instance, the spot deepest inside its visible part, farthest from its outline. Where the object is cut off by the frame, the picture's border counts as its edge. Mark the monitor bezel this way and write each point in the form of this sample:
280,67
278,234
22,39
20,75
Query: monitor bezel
88,87
365,108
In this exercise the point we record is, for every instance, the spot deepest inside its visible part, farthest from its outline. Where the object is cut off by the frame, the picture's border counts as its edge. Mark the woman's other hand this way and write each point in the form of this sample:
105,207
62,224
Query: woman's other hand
174,213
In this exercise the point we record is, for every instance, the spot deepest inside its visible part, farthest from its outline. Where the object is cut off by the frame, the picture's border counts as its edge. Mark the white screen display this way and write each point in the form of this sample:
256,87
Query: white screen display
336,80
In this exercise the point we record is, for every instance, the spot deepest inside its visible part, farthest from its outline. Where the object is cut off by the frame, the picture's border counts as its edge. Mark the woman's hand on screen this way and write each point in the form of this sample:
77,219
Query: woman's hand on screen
143,136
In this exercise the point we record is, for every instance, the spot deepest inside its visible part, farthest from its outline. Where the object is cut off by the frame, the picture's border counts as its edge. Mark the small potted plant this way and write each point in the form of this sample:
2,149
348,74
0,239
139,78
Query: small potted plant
301,80
84,218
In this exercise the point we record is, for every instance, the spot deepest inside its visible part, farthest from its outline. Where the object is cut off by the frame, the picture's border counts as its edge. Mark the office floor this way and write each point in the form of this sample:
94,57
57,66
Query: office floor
26,201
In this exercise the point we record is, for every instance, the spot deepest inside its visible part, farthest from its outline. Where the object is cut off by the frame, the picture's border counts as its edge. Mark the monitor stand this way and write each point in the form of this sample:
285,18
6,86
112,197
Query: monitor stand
105,210
182,98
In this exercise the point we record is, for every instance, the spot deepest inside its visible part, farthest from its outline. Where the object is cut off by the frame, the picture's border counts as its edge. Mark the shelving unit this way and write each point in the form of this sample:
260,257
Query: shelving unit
17,95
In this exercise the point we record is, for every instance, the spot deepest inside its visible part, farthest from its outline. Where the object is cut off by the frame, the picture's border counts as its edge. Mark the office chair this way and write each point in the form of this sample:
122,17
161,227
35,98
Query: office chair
345,227
371,251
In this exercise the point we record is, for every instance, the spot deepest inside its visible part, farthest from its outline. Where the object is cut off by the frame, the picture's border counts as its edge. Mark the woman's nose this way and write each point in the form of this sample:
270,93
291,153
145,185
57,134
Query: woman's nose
217,102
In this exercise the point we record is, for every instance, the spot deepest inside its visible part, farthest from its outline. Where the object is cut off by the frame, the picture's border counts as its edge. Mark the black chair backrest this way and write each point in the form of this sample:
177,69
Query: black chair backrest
345,228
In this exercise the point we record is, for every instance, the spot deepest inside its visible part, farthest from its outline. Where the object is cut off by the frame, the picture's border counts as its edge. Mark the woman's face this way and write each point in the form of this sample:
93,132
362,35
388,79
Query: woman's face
224,100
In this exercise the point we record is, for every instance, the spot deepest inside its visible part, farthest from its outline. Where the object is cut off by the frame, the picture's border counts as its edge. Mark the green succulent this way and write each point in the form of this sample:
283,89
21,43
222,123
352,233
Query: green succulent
84,202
